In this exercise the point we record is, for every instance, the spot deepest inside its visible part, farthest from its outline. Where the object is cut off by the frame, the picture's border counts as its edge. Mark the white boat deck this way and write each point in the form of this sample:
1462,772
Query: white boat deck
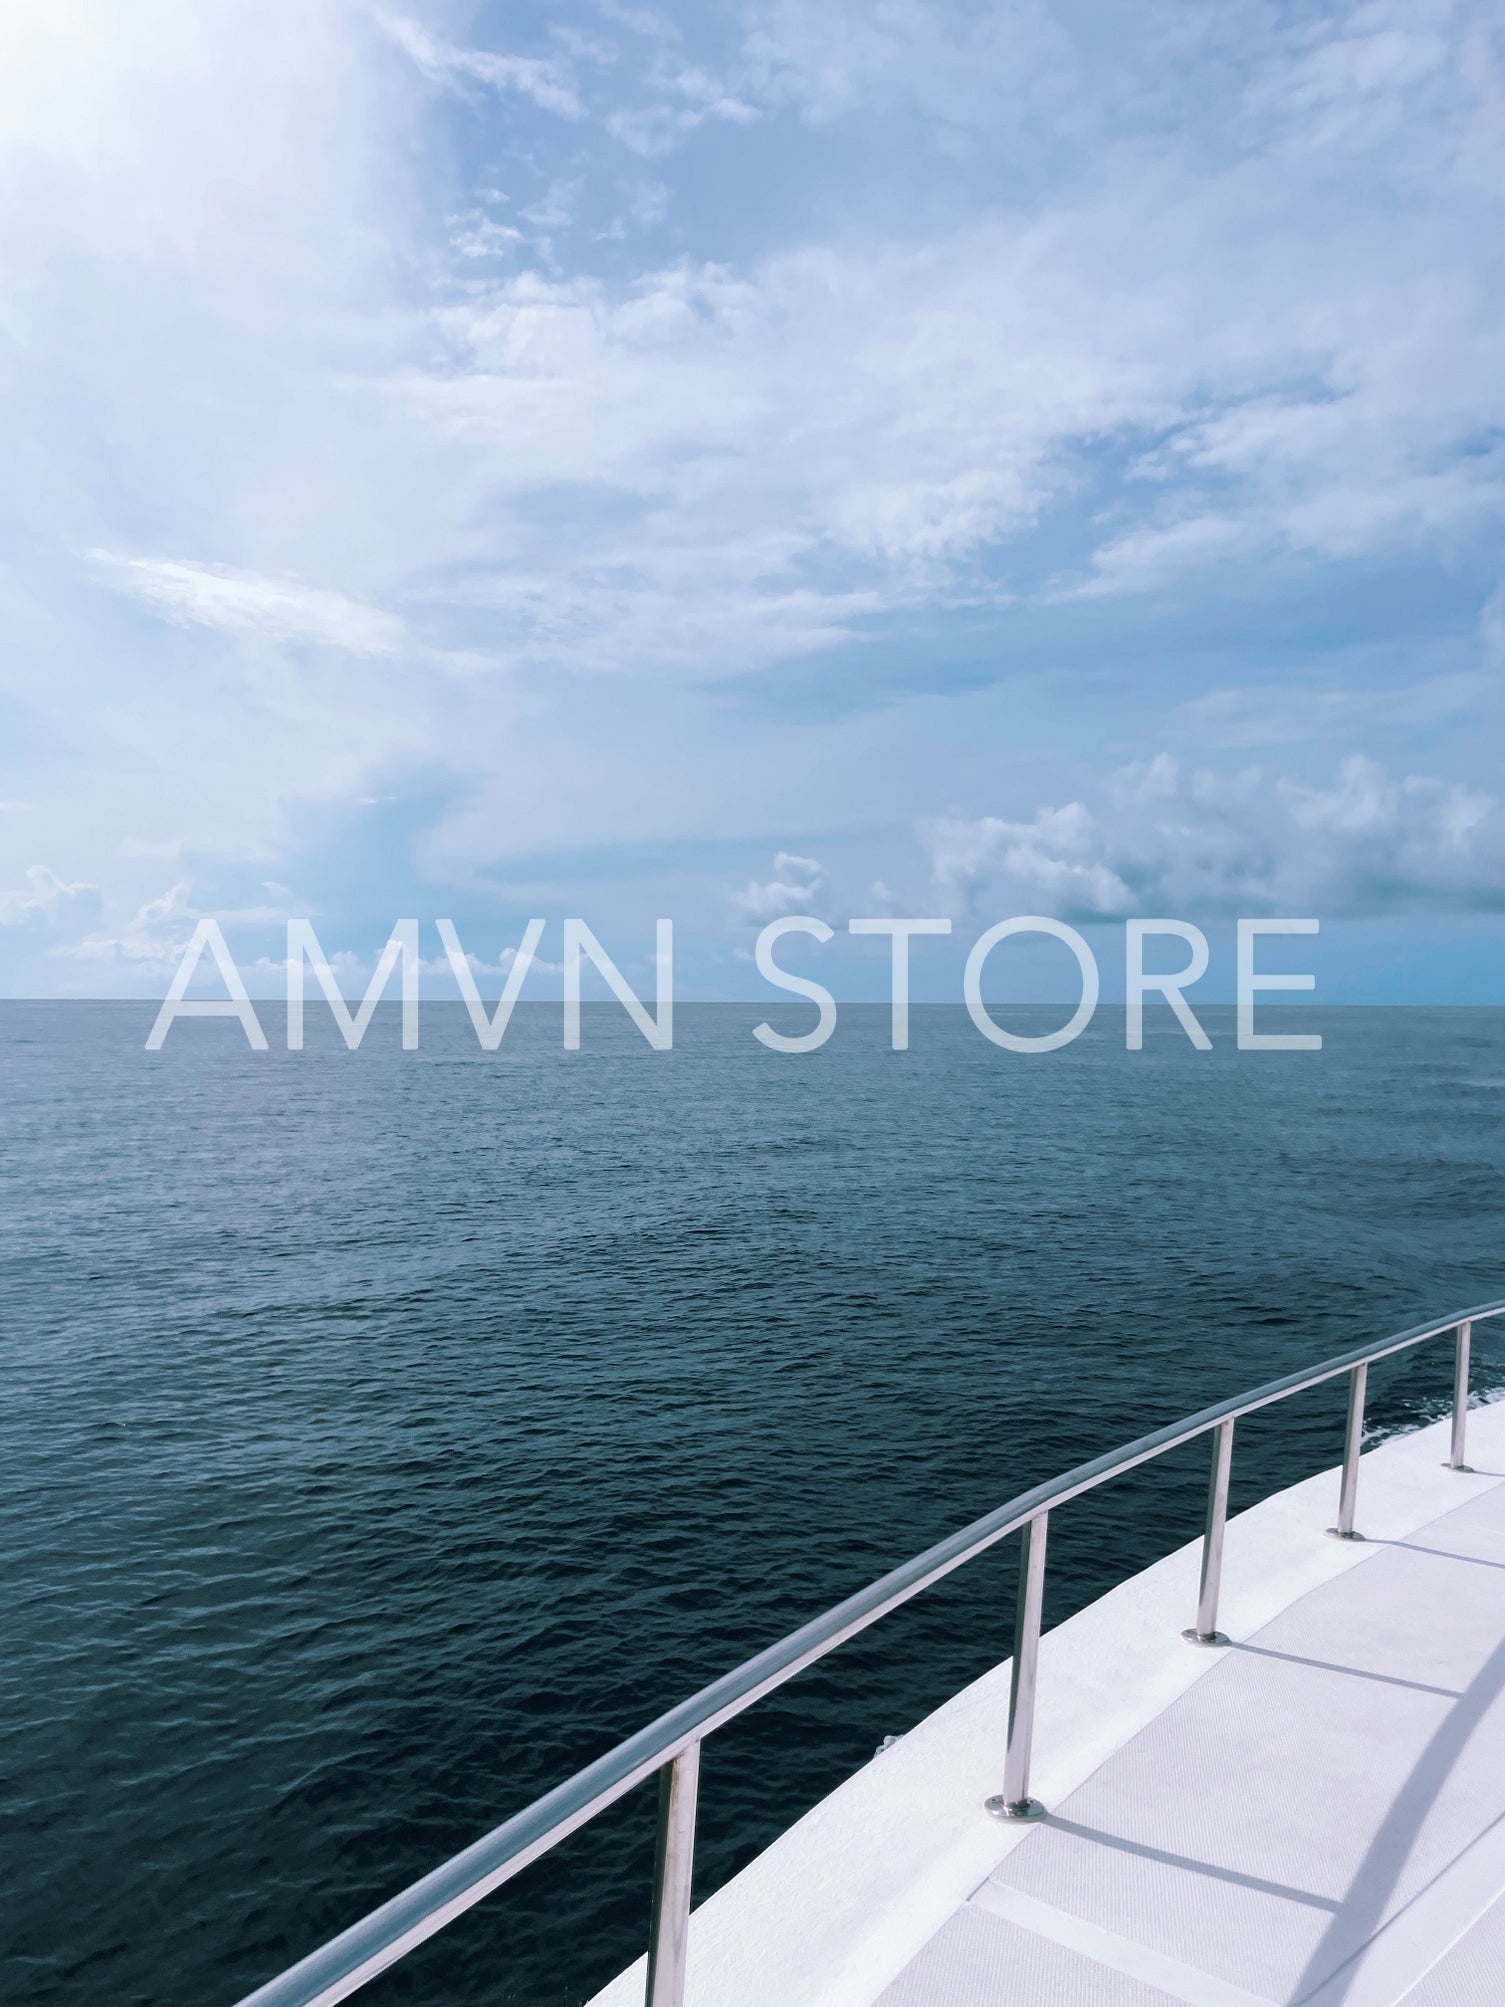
1314,1814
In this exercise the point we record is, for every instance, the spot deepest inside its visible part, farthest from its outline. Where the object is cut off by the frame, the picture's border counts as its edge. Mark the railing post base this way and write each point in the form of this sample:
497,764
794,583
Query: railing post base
1338,1533
1018,1808
1195,1637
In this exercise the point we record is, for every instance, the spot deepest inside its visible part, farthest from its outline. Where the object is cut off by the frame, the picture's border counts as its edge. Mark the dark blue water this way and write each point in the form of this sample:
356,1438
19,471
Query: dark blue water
387,1434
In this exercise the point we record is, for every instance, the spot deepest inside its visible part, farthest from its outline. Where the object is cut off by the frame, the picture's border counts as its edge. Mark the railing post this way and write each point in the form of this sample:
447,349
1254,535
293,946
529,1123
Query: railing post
668,1939
1456,1457
1205,1631
1014,1802
1349,1489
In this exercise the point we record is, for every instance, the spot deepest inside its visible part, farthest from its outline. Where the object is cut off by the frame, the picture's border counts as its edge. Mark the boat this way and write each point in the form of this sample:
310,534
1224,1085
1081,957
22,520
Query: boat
1268,1769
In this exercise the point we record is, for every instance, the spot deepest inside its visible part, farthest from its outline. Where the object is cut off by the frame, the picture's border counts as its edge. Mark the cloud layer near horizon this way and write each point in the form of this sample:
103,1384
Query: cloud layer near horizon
1174,842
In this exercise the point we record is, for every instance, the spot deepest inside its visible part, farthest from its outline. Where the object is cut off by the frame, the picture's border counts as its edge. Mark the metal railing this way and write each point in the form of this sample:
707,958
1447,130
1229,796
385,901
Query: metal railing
670,1746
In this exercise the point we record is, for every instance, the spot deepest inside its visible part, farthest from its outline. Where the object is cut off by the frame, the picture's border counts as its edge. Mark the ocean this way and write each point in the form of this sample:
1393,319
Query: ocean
387,1433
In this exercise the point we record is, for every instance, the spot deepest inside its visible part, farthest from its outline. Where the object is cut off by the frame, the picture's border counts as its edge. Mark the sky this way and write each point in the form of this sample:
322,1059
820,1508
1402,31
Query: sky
723,461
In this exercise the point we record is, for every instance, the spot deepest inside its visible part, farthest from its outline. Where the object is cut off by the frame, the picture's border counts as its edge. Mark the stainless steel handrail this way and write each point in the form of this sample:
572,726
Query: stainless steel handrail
671,1745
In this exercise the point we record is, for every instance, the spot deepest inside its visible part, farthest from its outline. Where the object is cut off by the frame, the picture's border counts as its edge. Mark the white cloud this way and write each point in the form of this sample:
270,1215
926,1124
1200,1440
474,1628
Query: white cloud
876,413
1347,83
154,938
1212,284
549,81
798,885
1172,841
440,965
689,100
778,453
477,235
1054,863
959,64
238,602
669,98
1290,713
48,903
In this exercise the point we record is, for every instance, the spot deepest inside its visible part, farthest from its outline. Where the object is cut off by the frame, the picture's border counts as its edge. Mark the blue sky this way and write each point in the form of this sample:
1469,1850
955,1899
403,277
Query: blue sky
729,460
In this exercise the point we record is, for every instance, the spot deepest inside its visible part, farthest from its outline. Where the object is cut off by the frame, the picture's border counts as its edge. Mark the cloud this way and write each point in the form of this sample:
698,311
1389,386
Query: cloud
440,965
1288,714
153,940
357,382
769,455
953,63
549,81
688,99
669,97
48,904
1055,863
1167,840
798,885
1170,371
237,602
267,974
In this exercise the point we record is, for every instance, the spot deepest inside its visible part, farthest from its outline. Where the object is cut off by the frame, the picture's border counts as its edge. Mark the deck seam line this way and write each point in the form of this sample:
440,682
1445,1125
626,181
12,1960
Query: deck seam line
1119,1954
